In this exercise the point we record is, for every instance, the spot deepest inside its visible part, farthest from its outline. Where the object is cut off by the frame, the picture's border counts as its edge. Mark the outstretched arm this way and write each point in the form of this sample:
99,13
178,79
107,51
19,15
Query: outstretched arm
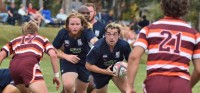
2,55
133,63
54,62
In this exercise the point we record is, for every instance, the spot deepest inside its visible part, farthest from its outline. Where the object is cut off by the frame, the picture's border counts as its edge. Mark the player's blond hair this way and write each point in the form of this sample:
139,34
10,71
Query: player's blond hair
30,28
114,25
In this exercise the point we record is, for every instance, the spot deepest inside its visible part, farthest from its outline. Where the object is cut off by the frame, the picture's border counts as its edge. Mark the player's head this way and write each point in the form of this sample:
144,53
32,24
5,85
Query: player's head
30,5
112,33
30,28
92,8
174,8
85,12
75,23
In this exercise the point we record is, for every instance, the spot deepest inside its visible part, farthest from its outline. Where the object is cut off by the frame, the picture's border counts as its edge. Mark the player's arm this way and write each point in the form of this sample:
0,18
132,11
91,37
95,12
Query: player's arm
92,58
96,69
11,89
93,40
196,72
71,58
2,55
133,63
54,62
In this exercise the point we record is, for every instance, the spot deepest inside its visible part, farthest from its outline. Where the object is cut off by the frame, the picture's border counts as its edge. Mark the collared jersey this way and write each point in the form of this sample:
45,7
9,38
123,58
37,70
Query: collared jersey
28,45
101,56
77,46
171,44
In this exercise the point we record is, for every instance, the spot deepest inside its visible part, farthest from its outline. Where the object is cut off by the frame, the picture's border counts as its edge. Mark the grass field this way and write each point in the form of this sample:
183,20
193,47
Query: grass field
10,32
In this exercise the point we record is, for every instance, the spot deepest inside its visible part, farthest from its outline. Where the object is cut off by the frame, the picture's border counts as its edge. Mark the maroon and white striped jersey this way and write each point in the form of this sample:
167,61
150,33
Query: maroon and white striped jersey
171,45
28,45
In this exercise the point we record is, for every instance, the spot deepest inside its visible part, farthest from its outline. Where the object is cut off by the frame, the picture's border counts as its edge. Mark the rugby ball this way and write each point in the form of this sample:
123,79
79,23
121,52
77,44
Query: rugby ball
120,69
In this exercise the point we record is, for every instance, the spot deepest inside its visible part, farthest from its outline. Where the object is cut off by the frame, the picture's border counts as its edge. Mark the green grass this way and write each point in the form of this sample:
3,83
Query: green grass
10,32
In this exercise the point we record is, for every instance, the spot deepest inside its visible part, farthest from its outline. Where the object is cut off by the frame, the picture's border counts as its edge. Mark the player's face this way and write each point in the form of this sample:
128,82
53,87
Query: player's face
75,25
86,15
112,36
92,13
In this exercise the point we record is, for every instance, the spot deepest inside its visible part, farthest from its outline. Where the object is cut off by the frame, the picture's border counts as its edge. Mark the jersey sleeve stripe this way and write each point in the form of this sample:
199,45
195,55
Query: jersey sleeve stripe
143,45
195,56
7,48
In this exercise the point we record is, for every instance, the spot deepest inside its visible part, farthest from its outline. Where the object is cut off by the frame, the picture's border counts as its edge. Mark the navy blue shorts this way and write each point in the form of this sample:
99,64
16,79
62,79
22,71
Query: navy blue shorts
83,73
5,79
101,81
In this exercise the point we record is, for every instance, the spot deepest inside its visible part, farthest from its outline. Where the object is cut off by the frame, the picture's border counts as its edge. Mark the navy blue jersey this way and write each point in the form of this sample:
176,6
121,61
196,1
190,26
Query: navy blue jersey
101,56
77,46
5,78
99,29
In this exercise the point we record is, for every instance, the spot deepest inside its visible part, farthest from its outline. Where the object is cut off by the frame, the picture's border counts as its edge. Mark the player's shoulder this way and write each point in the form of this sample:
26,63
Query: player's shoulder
63,31
99,43
100,23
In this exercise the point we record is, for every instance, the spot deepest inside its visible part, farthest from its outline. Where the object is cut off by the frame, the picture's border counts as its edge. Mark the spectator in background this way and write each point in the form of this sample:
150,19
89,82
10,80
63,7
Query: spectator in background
36,14
61,17
75,5
46,13
134,25
105,18
13,14
144,22
4,17
23,13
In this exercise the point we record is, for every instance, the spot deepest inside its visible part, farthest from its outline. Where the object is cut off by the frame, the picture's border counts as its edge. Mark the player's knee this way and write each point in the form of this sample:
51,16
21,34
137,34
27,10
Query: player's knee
68,86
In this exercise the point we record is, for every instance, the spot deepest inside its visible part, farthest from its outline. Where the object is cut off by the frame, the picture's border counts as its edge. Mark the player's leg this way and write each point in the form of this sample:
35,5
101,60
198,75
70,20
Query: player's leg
38,86
23,88
10,89
83,79
102,90
69,79
101,83
81,86
91,86
120,83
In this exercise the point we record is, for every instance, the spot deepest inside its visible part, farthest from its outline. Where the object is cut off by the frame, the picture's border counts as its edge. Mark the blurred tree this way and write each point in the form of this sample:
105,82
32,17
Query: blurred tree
194,14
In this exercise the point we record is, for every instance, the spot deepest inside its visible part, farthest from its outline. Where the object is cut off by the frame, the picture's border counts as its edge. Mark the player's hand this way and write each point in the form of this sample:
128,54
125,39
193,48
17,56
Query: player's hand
109,72
72,58
130,90
57,81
